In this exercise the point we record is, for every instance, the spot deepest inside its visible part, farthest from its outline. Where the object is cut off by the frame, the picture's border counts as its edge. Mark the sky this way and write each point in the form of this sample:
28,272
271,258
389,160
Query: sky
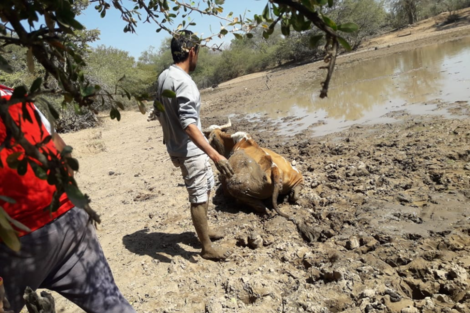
112,34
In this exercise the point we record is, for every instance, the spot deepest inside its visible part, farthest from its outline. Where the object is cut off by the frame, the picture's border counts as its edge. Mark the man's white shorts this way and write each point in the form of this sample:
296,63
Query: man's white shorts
197,175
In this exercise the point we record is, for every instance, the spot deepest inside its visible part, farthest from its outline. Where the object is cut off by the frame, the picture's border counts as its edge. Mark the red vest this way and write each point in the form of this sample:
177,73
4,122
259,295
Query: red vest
32,195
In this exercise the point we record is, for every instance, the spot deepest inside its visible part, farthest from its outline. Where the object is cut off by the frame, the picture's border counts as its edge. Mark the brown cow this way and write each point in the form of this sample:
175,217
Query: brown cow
259,173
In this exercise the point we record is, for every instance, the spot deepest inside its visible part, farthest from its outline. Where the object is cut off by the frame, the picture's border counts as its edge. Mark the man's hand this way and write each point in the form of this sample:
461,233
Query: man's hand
223,166
219,160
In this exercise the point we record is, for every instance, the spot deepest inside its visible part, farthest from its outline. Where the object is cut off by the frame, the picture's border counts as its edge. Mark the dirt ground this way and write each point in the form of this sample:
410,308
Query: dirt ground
388,207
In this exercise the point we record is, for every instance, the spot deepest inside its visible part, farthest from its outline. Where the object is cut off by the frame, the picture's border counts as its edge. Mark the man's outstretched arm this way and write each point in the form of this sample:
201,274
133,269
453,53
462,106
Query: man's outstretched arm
219,160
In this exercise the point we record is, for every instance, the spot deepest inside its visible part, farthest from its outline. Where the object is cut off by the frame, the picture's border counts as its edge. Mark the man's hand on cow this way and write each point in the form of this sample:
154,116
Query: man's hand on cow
224,167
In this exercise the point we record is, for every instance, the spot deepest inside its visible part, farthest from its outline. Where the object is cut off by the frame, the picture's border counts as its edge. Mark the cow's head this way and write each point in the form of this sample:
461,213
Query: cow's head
218,139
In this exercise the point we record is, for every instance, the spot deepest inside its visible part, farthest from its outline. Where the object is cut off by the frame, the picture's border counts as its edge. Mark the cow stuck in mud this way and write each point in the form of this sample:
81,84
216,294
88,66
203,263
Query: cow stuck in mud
260,173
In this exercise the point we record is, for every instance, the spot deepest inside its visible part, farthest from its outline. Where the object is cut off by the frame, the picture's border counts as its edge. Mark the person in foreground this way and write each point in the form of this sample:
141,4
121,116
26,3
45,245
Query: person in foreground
62,252
185,142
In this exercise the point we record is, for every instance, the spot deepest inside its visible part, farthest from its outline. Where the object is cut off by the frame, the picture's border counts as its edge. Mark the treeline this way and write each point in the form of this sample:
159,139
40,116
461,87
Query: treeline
247,56
109,67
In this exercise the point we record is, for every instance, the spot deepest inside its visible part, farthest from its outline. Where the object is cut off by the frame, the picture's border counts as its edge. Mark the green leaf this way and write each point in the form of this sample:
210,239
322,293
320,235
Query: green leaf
46,140
66,151
19,93
330,22
219,2
344,43
298,22
36,85
7,233
142,108
87,91
223,32
12,160
7,199
76,196
51,178
306,25
73,163
330,3
38,170
276,10
168,93
158,106
238,36
120,105
52,109
313,41
77,109
22,167
115,114
285,29
17,224
25,112
128,95
266,13
308,4
348,27
249,35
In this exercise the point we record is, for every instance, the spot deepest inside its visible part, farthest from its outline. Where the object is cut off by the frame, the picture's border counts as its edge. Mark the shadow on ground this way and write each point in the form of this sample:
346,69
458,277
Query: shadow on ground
157,244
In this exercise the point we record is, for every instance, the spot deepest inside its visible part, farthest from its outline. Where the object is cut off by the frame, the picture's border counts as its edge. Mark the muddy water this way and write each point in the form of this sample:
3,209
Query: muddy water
371,91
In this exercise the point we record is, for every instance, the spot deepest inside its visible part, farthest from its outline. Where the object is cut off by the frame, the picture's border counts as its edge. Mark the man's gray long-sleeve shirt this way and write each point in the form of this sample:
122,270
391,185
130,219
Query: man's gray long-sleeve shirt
179,112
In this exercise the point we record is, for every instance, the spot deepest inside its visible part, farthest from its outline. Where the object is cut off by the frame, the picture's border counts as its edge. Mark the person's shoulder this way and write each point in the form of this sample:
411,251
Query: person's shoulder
163,74
179,79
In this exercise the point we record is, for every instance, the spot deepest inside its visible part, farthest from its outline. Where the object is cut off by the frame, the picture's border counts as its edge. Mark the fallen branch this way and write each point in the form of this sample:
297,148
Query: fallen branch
404,35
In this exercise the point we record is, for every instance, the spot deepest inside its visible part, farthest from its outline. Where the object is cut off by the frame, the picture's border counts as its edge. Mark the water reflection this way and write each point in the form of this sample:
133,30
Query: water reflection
370,89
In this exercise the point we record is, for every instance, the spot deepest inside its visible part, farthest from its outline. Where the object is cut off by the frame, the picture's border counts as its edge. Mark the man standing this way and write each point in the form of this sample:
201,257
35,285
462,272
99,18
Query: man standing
62,252
184,140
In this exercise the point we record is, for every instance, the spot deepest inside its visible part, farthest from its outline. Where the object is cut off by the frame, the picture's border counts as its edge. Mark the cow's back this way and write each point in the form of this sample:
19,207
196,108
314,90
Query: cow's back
254,151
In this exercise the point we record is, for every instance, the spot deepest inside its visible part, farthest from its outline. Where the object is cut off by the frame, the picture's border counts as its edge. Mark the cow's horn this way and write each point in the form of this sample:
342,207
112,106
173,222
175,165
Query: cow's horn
228,125
211,128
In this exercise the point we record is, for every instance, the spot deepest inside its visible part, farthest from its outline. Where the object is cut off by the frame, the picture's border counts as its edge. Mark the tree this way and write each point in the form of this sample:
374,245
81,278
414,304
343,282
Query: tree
54,45
369,15
405,11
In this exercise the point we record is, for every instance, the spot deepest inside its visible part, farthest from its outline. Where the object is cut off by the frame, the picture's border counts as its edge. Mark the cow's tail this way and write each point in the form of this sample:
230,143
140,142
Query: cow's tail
276,178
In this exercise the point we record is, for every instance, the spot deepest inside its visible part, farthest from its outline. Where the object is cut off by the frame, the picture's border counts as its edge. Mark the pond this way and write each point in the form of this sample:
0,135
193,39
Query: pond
369,91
